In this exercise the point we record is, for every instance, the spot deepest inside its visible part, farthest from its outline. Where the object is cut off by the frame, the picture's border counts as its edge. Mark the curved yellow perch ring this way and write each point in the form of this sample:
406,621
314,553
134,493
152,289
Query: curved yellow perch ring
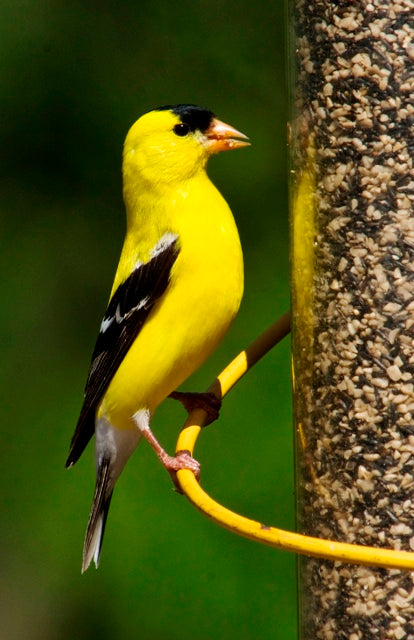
350,553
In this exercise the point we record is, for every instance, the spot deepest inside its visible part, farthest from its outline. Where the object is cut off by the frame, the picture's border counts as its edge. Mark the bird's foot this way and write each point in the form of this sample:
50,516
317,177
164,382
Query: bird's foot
209,402
181,460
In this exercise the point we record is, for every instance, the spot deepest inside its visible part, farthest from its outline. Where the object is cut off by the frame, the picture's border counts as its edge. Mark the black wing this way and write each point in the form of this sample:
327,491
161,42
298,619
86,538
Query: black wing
127,311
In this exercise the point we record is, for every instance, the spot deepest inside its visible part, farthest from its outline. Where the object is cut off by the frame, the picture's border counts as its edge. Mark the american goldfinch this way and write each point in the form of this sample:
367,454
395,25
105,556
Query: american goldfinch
177,288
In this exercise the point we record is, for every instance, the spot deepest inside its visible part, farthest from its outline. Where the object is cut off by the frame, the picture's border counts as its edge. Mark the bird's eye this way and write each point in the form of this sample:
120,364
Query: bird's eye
181,129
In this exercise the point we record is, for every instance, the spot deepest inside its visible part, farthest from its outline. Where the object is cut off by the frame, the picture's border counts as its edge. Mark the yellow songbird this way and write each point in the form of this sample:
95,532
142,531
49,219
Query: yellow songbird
177,288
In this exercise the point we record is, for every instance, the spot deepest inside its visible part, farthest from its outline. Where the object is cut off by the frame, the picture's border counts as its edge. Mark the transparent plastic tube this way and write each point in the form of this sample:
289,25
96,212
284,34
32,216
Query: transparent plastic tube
352,253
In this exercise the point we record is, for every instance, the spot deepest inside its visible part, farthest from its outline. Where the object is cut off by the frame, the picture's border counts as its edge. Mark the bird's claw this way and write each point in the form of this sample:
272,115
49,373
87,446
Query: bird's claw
181,460
207,401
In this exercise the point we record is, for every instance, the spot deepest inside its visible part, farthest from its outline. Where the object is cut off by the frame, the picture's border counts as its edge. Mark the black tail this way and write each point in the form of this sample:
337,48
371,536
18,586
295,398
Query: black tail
99,512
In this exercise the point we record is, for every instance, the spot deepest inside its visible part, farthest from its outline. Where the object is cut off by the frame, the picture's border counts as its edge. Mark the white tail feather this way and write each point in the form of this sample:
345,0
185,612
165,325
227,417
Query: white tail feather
112,450
99,511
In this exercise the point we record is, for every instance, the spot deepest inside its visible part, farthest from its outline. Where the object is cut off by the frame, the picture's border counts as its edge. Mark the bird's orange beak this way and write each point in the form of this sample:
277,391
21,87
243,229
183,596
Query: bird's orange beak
222,137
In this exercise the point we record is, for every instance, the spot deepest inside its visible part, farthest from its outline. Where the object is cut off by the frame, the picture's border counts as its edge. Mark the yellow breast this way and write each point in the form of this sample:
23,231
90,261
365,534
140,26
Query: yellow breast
198,306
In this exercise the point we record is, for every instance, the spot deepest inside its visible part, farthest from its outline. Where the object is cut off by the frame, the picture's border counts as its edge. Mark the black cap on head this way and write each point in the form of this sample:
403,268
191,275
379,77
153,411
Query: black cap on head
195,117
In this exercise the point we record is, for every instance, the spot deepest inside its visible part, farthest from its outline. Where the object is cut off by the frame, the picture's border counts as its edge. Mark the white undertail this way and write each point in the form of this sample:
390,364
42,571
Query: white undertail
113,447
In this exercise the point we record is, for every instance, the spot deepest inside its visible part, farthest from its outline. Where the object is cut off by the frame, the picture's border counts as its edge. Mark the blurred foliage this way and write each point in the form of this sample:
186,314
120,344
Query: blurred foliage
74,76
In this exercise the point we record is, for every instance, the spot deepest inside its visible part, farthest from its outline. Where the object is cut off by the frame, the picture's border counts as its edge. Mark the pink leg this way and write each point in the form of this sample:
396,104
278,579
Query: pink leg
182,459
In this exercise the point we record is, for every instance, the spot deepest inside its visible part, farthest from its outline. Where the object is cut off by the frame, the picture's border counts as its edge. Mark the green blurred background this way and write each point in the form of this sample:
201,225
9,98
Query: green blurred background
74,76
